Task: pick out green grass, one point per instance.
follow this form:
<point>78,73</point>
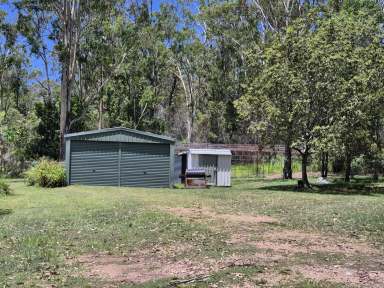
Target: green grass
<point>263,168</point>
<point>40,229</point>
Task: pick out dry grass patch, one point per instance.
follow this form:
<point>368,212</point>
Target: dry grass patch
<point>206,214</point>
<point>302,242</point>
<point>152,265</point>
<point>139,268</point>
<point>345,275</point>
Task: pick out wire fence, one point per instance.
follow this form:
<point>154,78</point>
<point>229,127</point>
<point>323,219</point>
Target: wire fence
<point>250,160</point>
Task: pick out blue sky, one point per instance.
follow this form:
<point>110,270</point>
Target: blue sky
<point>35,63</point>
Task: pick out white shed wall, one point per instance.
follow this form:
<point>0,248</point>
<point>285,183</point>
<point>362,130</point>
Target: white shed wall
<point>224,170</point>
<point>193,161</point>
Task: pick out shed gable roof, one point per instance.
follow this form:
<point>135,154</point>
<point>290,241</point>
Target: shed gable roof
<point>225,152</point>
<point>120,134</point>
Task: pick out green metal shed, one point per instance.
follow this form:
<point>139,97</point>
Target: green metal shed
<point>119,157</point>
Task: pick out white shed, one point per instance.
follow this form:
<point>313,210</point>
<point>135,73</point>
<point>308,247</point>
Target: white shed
<point>216,162</point>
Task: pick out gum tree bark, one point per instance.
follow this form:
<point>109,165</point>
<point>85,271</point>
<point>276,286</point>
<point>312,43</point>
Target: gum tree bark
<point>304,173</point>
<point>348,168</point>
<point>287,171</point>
<point>69,39</point>
<point>324,164</point>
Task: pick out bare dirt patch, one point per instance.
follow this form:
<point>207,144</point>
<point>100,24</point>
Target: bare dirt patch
<point>203,213</point>
<point>154,264</point>
<point>275,248</point>
<point>360,278</point>
<point>307,242</point>
<point>165,262</point>
<point>281,246</point>
<point>288,242</point>
<point>138,269</point>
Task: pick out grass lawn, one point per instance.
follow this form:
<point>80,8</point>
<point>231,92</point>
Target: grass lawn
<point>255,234</point>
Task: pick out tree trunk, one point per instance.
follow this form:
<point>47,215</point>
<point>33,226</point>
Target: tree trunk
<point>69,38</point>
<point>100,124</point>
<point>304,175</point>
<point>64,110</point>
<point>324,164</point>
<point>189,129</point>
<point>376,169</point>
<point>348,169</point>
<point>188,94</point>
<point>375,175</point>
<point>287,171</point>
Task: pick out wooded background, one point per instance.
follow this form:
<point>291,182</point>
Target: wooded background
<point>304,74</point>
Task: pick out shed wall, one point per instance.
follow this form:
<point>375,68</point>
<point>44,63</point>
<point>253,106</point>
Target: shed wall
<point>94,163</point>
<point>119,164</point>
<point>224,170</point>
<point>218,166</point>
<point>144,165</point>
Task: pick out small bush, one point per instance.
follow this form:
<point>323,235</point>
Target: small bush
<point>46,173</point>
<point>4,188</point>
<point>178,186</point>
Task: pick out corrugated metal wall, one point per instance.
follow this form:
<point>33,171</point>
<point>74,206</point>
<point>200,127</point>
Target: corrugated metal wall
<point>177,169</point>
<point>120,164</point>
<point>224,170</point>
<point>209,163</point>
<point>94,163</point>
<point>119,136</point>
<point>219,166</point>
<point>144,165</point>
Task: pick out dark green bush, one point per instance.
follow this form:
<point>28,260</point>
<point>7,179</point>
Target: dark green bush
<point>4,188</point>
<point>46,173</point>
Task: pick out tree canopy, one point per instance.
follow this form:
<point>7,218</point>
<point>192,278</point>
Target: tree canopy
<point>304,74</point>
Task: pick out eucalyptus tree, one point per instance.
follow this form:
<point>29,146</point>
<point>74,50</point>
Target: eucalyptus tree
<point>68,21</point>
<point>279,103</point>
<point>321,84</point>
<point>14,66</point>
<point>358,35</point>
<point>275,18</point>
<point>142,92</point>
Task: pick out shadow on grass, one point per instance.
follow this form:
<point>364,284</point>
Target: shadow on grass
<point>365,188</point>
<point>5,212</point>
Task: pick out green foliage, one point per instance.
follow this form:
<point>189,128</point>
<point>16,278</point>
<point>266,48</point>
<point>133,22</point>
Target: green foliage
<point>178,186</point>
<point>47,142</point>
<point>46,173</point>
<point>306,74</point>
<point>4,188</point>
<point>265,167</point>
<point>19,132</point>
<point>18,135</point>
<point>359,166</point>
<point>319,89</point>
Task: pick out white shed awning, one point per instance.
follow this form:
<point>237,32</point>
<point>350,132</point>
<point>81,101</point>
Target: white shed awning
<point>210,151</point>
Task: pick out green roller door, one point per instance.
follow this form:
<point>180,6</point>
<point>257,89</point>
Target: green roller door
<point>136,164</point>
<point>94,163</point>
<point>144,165</point>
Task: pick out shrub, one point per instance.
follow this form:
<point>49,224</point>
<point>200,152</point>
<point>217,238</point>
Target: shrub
<point>178,186</point>
<point>4,188</point>
<point>46,173</point>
